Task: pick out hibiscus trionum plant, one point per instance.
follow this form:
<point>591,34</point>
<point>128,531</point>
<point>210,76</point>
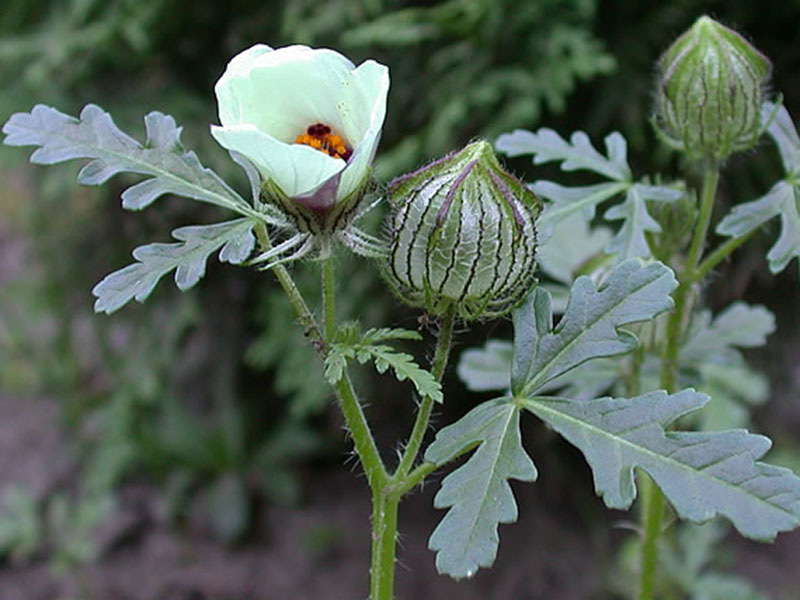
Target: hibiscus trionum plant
<point>611,345</point>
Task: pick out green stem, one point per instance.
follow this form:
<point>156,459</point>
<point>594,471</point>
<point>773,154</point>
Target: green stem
<point>384,544</point>
<point>652,514</point>
<point>653,499</point>
<point>354,415</point>
<point>440,357</point>
<point>687,277</point>
<point>328,299</point>
<point>304,313</point>
<point>721,253</point>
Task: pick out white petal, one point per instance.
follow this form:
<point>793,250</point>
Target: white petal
<point>296,169</point>
<point>285,91</point>
<point>373,83</point>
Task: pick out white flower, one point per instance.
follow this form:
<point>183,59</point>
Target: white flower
<point>274,105</point>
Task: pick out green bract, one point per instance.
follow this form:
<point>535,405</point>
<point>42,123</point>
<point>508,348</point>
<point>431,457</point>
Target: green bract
<point>462,231</point>
<point>268,98</point>
<point>710,91</point>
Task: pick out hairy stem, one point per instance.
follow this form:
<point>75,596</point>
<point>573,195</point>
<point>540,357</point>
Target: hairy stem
<point>354,415</point>
<point>653,499</point>
<point>304,313</point>
<point>440,357</point>
<point>384,543</point>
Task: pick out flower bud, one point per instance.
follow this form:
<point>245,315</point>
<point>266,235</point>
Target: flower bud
<point>462,231</point>
<point>710,90</point>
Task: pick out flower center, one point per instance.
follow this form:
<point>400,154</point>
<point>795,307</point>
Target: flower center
<point>319,137</point>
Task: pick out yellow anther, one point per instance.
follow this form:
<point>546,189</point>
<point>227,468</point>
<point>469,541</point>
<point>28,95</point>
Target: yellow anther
<point>319,137</point>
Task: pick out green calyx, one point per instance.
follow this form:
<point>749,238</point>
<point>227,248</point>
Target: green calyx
<point>710,91</point>
<point>462,232</point>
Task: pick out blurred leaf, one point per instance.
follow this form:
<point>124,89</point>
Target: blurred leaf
<point>716,586</point>
<point>71,526</point>
<point>488,368</point>
<point>566,201</point>
<point>702,474</point>
<point>739,325</point>
<point>632,292</point>
<point>572,243</point>
<point>477,493</point>
<point>228,505</point>
<point>20,524</point>
<point>631,241</point>
<point>187,257</point>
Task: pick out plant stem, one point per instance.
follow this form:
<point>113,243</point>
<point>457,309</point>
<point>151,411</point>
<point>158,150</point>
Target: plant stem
<point>443,345</point>
<point>304,313</point>
<point>687,277</point>
<point>652,513</point>
<point>328,299</point>
<point>721,253</point>
<point>384,543</point>
<point>354,415</point>
<point>653,499</point>
<point>385,500</point>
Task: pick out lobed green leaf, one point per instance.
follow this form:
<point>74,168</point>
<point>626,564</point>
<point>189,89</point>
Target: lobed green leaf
<point>366,349</point>
<point>477,493</point>
<point>631,241</point>
<point>546,145</point>
<point>632,292</point>
<point>171,169</point>
<point>703,474</point>
<point>782,200</point>
<point>187,258</point>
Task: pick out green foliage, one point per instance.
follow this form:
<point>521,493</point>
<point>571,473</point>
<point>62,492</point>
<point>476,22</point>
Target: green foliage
<point>589,328</point>
<point>692,562</point>
<point>782,200</point>
<point>71,525</point>
<point>477,493</point>
<point>485,67</point>
<point>701,473</point>
<point>20,527</point>
<point>579,154</point>
<point>349,345</point>
<point>187,258</point>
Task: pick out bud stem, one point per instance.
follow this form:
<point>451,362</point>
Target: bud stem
<point>440,357</point>
<point>653,499</point>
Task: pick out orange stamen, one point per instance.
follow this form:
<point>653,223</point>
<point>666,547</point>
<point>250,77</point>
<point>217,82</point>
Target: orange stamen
<point>319,137</point>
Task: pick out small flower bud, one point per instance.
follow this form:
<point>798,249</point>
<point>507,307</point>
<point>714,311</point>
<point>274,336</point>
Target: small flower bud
<point>462,231</point>
<point>710,90</point>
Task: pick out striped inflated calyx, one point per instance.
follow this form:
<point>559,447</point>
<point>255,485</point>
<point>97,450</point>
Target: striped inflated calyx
<point>710,91</point>
<point>462,231</point>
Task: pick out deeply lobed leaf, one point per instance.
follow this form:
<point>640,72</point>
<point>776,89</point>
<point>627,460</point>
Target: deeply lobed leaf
<point>172,169</point>
<point>589,328</point>
<point>782,200</point>
<point>365,348</point>
<point>703,474</point>
<point>187,258</point>
<point>477,493</point>
<point>546,145</point>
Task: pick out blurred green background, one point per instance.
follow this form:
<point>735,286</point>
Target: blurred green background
<point>158,395</point>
